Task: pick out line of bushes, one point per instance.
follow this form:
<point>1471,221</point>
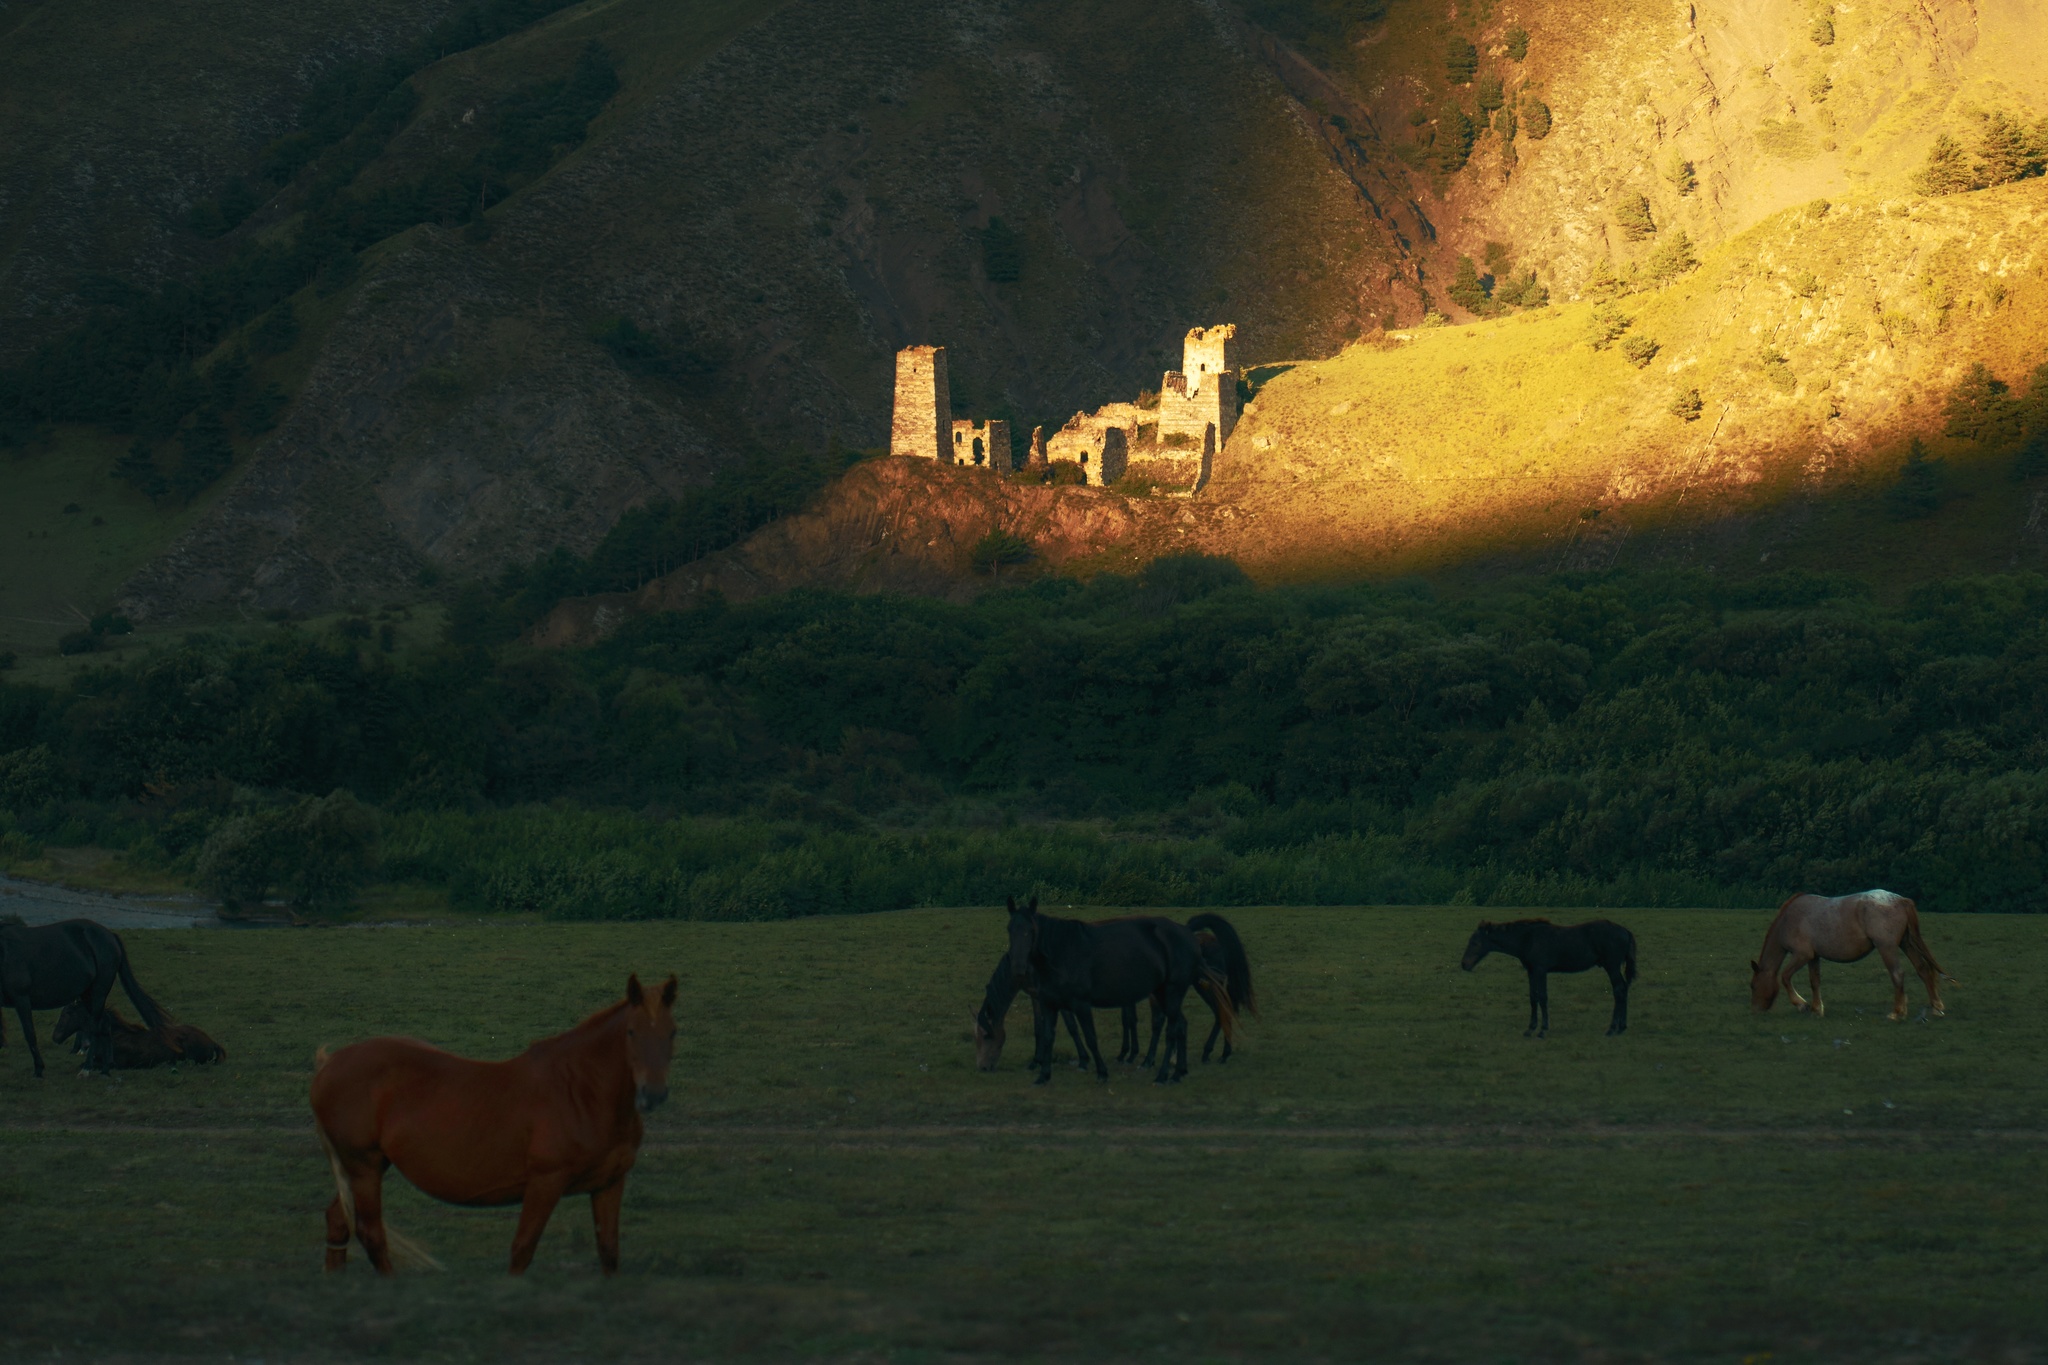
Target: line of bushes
<point>1178,736</point>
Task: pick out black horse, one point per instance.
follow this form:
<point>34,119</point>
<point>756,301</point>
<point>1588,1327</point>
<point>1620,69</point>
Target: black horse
<point>1544,948</point>
<point>989,1032</point>
<point>53,965</point>
<point>1077,966</point>
<point>1227,973</point>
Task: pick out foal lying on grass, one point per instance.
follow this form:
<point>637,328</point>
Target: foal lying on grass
<point>131,1047</point>
<point>1544,947</point>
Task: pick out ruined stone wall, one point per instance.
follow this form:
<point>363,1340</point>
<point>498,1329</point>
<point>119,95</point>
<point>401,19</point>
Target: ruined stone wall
<point>1184,467</point>
<point>984,445</point>
<point>923,420</point>
<point>1098,441</point>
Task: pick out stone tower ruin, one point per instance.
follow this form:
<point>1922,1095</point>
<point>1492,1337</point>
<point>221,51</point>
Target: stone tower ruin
<point>984,445</point>
<point>1200,402</point>
<point>922,425</point>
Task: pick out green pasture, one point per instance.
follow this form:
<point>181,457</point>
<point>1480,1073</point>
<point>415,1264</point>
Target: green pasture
<point>1386,1171</point>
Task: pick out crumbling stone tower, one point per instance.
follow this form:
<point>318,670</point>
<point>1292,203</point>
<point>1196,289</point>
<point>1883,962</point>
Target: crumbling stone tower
<point>923,421</point>
<point>984,445</point>
<point>1200,402</point>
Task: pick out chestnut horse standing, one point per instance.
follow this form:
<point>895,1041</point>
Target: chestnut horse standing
<point>1843,929</point>
<point>563,1117</point>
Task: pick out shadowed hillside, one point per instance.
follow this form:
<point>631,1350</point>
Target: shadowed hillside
<point>510,271</point>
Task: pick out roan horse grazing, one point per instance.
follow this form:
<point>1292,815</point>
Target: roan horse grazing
<point>131,1047</point>
<point>1077,966</point>
<point>1544,948</point>
<point>1843,929</point>
<point>563,1117</point>
<point>49,966</point>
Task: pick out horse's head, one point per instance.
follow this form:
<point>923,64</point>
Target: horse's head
<point>1763,987</point>
<point>71,1022</point>
<point>1478,946</point>
<point>650,1041</point>
<point>988,1040</point>
<point>1023,939</point>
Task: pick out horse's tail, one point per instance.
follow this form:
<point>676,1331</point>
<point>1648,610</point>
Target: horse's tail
<point>403,1249</point>
<point>1914,944</point>
<point>1629,961</point>
<point>1237,967</point>
<point>1214,987</point>
<point>153,1015</point>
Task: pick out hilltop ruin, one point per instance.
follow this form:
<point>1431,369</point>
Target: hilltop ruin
<point>1169,439</point>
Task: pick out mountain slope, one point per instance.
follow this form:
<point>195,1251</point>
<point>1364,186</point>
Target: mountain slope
<point>779,216</point>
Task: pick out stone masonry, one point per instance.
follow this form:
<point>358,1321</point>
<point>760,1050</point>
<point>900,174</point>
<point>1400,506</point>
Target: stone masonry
<point>923,422</point>
<point>983,445</point>
<point>1175,445</point>
<point>1203,396</point>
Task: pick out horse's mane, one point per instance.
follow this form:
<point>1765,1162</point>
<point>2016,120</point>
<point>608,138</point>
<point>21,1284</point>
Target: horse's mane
<point>597,1019</point>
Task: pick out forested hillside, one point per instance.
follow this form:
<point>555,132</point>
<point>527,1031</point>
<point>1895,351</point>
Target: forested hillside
<point>1178,737</point>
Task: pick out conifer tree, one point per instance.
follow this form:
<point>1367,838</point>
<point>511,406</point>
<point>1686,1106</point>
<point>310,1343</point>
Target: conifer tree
<point>1947,170</point>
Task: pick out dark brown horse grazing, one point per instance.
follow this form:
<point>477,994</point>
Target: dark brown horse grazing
<point>1543,948</point>
<point>1843,929</point>
<point>131,1047</point>
<point>563,1117</point>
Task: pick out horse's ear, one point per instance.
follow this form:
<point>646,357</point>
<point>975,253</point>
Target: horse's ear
<point>634,995</point>
<point>668,991</point>
<point>1031,906</point>
<point>1013,905</point>
<point>1754,966</point>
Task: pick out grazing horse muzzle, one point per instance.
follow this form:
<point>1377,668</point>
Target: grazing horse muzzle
<point>648,1098</point>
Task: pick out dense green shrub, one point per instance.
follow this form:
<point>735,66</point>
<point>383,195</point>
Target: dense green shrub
<point>1639,350</point>
<point>1632,215</point>
<point>1921,488</point>
<point>1822,32</point>
<point>1518,44</point>
<point>1461,59</point>
<point>1174,737</point>
<point>1455,134</point>
<point>1536,120</point>
<point>1948,170</point>
<point>1673,256</point>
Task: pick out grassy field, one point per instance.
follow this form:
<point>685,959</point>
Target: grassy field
<point>1388,1170</point>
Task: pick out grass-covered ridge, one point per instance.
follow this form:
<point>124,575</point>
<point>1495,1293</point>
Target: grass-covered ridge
<point>1176,738</point>
<point>1385,1159</point>
<point>1781,368</point>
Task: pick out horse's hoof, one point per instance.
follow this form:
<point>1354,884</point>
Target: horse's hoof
<point>1041,1080</point>
<point>1939,1013</point>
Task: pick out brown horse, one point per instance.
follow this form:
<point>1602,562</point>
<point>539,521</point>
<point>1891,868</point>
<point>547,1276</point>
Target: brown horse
<point>1843,929</point>
<point>131,1047</point>
<point>563,1117</point>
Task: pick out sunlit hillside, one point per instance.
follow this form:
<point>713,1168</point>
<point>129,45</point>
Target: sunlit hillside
<point>1797,361</point>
